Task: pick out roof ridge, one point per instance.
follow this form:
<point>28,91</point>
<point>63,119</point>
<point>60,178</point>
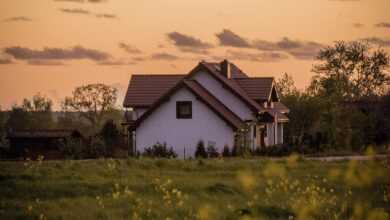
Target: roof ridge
<point>157,74</point>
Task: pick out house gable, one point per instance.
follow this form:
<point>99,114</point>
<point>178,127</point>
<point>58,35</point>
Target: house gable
<point>162,125</point>
<point>202,95</point>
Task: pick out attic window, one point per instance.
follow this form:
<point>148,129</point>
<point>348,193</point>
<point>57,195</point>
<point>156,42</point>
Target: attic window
<point>184,110</point>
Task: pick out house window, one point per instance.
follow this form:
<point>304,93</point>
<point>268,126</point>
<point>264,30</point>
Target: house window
<point>184,110</point>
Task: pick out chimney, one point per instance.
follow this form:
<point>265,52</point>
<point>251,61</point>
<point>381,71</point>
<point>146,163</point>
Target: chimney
<point>225,68</point>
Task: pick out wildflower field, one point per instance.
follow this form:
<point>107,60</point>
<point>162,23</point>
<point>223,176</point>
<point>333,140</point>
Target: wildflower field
<point>290,188</point>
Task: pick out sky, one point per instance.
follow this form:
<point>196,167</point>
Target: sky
<point>52,46</point>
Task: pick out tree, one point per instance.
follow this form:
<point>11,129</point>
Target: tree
<point>351,70</point>
<point>92,101</point>
<point>286,85</point>
<point>200,150</point>
<point>212,152</point>
<point>111,135</point>
<point>31,114</point>
<point>226,151</point>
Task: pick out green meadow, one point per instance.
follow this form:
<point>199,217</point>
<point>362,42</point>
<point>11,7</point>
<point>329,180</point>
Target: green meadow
<point>257,188</point>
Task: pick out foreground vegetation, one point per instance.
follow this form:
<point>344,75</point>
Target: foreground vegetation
<point>289,188</point>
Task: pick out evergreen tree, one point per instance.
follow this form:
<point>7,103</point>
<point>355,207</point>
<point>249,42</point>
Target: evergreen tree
<point>226,151</point>
<point>200,150</point>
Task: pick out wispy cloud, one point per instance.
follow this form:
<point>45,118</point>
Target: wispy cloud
<point>358,25</point>
<point>187,43</point>
<point>129,48</point>
<point>5,61</point>
<point>115,63</point>
<point>163,56</point>
<point>384,42</point>
<point>81,1</point>
<point>75,11</point>
<point>108,16</point>
<point>48,53</point>
<point>18,18</point>
<point>297,48</point>
<point>229,38</point>
<point>43,62</point>
<point>383,25</point>
<point>81,11</point>
<point>255,57</point>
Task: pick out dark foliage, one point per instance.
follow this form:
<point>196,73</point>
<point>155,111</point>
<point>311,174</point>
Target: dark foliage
<point>212,152</point>
<point>200,150</point>
<point>226,151</point>
<point>159,150</point>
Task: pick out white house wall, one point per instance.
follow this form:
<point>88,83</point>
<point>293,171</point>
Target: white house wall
<point>224,95</point>
<point>163,126</point>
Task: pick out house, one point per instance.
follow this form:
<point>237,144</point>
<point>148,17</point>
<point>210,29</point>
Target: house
<point>32,143</point>
<point>215,102</point>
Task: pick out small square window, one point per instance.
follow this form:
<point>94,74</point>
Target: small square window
<point>184,110</point>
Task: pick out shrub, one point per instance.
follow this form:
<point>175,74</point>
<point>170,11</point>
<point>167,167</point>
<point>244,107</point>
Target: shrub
<point>240,151</point>
<point>212,152</point>
<point>111,136</point>
<point>275,150</point>
<point>72,148</point>
<point>200,150</point>
<point>159,150</point>
<point>226,151</point>
<point>97,147</point>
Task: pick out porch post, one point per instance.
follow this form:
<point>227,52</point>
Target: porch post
<point>276,130</point>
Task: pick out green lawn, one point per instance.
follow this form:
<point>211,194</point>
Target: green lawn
<point>209,189</point>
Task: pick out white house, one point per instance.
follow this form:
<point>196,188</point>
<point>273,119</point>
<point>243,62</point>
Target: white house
<point>215,102</point>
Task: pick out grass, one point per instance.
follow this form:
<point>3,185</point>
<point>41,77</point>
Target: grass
<point>198,189</point>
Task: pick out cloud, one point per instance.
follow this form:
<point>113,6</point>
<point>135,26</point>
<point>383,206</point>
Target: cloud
<point>5,61</point>
<point>383,25</point>
<point>81,11</point>
<point>43,62</point>
<point>48,53</point>
<point>296,48</point>
<point>255,57</point>
<point>345,0</point>
<point>81,1</point>
<point>129,48</point>
<point>115,63</point>
<point>187,43</point>
<point>163,56</point>
<point>139,59</point>
<point>358,25</point>
<point>19,18</point>
<point>75,11</point>
<point>383,42</point>
<point>229,38</point>
<point>74,1</point>
<point>109,16</point>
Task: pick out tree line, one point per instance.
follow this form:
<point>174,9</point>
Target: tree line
<point>346,107</point>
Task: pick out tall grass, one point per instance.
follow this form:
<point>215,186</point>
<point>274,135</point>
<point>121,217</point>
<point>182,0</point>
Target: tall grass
<point>291,188</point>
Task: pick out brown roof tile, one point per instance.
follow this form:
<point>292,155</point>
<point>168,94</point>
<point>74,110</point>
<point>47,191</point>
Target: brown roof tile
<point>257,88</point>
<point>144,90</point>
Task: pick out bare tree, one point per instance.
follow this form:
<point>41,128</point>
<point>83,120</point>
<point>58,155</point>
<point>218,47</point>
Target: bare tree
<point>92,101</point>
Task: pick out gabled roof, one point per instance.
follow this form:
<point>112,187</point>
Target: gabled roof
<point>257,88</point>
<point>149,91</point>
<point>230,84</point>
<point>144,90</point>
<point>204,96</point>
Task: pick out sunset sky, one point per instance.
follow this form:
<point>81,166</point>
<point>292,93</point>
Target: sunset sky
<point>52,46</point>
